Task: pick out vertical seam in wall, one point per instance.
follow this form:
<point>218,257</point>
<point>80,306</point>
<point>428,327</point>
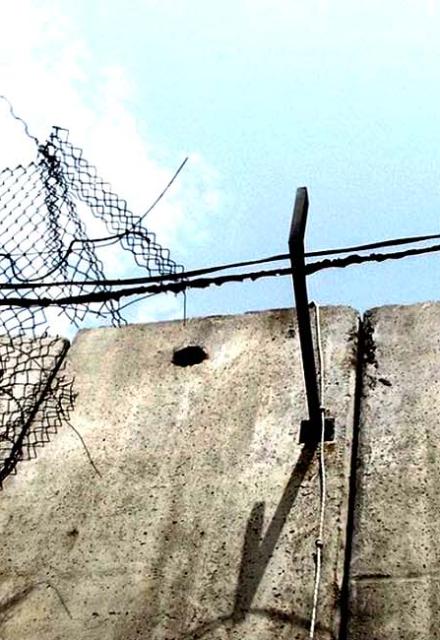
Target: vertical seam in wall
<point>358,393</point>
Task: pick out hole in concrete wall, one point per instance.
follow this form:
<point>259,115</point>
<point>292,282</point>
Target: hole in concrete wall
<point>189,356</point>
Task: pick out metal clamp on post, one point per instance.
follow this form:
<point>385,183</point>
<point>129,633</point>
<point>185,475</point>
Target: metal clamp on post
<point>311,428</point>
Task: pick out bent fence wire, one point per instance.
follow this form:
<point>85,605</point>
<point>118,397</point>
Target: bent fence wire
<point>44,240</point>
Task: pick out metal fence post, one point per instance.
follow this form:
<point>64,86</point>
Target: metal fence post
<point>310,429</point>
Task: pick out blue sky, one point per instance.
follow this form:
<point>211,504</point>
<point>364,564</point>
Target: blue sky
<point>265,96</point>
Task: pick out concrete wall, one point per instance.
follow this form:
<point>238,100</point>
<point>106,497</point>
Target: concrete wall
<point>395,567</point>
<point>202,520</point>
<point>175,503</point>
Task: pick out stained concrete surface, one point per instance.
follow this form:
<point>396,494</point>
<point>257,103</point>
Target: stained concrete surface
<point>202,520</point>
<point>395,568</point>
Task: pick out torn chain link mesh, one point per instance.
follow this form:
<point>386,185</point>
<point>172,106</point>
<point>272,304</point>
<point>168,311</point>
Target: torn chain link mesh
<point>46,209</point>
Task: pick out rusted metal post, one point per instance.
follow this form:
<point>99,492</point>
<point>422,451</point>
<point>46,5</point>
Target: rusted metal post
<point>311,429</point>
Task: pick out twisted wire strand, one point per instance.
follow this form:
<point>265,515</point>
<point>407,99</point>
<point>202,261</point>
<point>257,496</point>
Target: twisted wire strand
<point>16,117</point>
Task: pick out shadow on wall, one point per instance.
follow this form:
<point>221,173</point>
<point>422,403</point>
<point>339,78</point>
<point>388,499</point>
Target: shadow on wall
<point>36,397</point>
<point>255,557</point>
<point>256,554</point>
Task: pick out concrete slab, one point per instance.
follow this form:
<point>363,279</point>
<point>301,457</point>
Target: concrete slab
<point>203,518</point>
<point>395,567</point>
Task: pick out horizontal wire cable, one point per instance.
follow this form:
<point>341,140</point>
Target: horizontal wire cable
<point>236,265</point>
<point>143,279</point>
<point>371,257</point>
<point>173,287</point>
<point>374,245</point>
<point>203,283</point>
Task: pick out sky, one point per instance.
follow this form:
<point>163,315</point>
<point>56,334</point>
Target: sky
<point>263,96</point>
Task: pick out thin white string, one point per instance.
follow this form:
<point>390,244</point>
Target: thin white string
<point>323,480</point>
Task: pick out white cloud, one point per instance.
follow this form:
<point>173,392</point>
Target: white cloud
<point>48,72</point>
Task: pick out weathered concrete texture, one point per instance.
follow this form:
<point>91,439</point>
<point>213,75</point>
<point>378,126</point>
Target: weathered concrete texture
<point>202,520</point>
<point>395,569</point>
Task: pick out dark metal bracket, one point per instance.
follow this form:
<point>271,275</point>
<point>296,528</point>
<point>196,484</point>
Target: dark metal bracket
<point>309,434</point>
<point>310,429</point>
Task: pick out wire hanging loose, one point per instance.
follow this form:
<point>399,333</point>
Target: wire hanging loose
<point>323,478</point>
